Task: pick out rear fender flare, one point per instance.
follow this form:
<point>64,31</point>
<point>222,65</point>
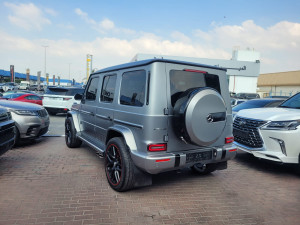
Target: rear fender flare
<point>126,134</point>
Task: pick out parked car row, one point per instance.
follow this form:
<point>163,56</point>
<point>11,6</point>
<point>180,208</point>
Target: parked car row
<point>26,114</point>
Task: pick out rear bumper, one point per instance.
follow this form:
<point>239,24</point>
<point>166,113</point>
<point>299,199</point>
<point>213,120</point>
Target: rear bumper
<point>56,109</point>
<point>161,162</point>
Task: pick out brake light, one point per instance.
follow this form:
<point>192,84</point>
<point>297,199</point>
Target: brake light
<point>233,150</point>
<point>229,140</point>
<point>66,99</point>
<point>157,147</point>
<point>65,109</point>
<point>195,71</point>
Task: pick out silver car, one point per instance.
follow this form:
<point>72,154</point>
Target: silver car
<point>31,120</point>
<point>152,116</point>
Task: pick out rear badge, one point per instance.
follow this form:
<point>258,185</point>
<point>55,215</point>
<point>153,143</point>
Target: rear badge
<point>210,118</point>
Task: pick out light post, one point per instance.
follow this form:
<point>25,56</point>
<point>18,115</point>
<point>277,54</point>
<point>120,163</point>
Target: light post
<point>45,46</point>
<point>69,71</point>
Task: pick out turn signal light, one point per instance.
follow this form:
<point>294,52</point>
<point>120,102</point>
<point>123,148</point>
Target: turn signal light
<point>229,140</point>
<point>157,147</point>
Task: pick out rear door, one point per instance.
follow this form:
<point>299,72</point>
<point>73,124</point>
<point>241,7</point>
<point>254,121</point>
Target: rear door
<point>54,97</point>
<point>181,79</point>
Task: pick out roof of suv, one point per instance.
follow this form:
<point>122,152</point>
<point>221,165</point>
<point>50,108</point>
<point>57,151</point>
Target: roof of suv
<point>149,61</point>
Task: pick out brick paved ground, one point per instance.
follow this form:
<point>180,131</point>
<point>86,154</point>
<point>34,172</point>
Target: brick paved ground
<point>47,183</point>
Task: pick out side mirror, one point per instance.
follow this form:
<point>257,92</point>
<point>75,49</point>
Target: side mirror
<point>78,96</point>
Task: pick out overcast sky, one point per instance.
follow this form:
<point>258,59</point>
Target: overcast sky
<point>114,31</point>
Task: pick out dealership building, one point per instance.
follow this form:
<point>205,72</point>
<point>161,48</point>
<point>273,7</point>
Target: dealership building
<point>242,69</point>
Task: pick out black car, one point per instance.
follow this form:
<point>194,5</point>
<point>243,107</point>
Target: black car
<point>35,87</point>
<point>247,95</point>
<point>257,103</point>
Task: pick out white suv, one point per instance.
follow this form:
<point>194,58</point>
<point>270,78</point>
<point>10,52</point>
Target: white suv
<point>270,133</point>
<point>60,99</point>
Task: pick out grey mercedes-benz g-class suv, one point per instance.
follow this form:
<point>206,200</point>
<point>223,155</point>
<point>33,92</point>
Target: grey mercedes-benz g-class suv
<point>152,116</point>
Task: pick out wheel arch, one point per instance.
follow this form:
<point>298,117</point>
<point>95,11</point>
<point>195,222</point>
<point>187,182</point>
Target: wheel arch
<point>74,116</point>
<point>124,132</point>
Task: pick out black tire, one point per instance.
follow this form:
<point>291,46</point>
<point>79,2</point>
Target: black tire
<point>203,170</point>
<point>70,134</point>
<point>119,167</point>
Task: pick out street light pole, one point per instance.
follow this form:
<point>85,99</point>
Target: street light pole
<point>45,46</point>
<point>69,71</point>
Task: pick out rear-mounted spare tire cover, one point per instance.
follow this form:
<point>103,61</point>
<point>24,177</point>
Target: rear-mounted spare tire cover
<point>200,116</point>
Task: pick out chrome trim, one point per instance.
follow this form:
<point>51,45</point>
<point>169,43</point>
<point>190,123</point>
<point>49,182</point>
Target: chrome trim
<point>246,148</point>
<point>86,112</point>
<point>83,121</point>
<point>91,145</point>
<point>129,124</point>
<point>103,117</point>
<point>281,144</point>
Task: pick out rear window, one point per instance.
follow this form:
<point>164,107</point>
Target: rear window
<point>64,91</point>
<point>181,81</point>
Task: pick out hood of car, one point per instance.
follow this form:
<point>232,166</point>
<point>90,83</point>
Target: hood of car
<point>271,114</point>
<point>19,105</point>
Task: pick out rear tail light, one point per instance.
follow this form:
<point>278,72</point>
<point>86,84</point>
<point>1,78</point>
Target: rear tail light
<point>67,99</point>
<point>195,71</point>
<point>157,147</point>
<point>65,109</point>
<point>229,140</point>
<point>233,150</point>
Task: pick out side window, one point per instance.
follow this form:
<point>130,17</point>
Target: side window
<point>108,88</point>
<point>92,89</point>
<point>29,97</point>
<point>133,88</point>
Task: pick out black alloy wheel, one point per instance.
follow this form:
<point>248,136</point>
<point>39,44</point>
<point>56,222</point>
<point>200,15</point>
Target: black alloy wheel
<point>70,134</point>
<point>113,164</point>
<point>119,167</point>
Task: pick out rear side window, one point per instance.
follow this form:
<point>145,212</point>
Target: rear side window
<point>92,89</point>
<point>181,81</point>
<point>33,97</point>
<point>108,88</point>
<point>133,88</point>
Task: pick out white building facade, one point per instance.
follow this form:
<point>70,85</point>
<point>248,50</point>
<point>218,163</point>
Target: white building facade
<point>240,80</point>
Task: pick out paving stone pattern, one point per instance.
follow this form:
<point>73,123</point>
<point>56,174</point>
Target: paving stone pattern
<point>48,183</point>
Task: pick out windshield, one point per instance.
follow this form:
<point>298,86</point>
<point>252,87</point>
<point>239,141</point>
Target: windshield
<point>249,105</point>
<point>64,91</point>
<point>23,84</point>
<point>293,102</point>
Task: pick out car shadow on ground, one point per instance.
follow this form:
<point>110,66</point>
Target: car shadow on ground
<point>266,165</point>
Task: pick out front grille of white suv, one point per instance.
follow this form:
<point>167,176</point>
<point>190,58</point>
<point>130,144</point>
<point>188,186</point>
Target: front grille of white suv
<point>245,131</point>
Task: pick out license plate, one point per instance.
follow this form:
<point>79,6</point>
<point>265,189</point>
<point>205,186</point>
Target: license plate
<point>240,133</point>
<point>198,156</point>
